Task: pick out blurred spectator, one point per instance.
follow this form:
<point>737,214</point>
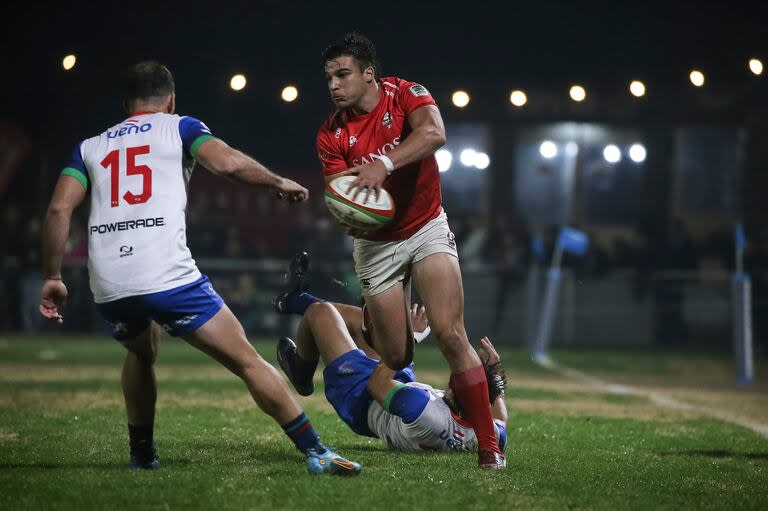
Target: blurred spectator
<point>11,251</point>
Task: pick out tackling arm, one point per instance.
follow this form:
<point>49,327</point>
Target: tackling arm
<point>223,160</point>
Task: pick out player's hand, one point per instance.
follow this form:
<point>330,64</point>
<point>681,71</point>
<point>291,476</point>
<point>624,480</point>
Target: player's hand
<point>488,352</point>
<point>419,321</point>
<point>369,180</point>
<point>53,299</point>
<point>291,191</point>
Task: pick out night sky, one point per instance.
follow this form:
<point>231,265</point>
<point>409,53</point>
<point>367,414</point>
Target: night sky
<point>485,47</point>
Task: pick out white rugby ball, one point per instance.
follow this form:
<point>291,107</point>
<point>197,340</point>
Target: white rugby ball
<point>358,214</point>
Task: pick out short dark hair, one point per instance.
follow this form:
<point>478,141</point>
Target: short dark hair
<point>147,80</point>
<point>354,45</point>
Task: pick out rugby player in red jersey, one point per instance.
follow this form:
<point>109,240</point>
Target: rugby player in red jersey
<point>385,130</point>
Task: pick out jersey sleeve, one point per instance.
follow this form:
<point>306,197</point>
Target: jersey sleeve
<point>413,95</point>
<point>406,402</point>
<point>329,152</point>
<point>75,166</point>
<point>193,133</point>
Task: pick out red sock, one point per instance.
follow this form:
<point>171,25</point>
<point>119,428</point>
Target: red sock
<point>471,389</point>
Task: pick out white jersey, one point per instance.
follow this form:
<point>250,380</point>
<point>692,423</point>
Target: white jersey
<point>138,172</point>
<point>436,429</point>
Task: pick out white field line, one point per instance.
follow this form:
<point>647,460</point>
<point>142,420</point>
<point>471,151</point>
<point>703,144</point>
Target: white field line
<point>654,397</point>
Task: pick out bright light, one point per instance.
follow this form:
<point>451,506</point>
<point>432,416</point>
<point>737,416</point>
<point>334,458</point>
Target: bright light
<point>756,66</point>
<point>697,78</point>
<point>460,98</point>
<point>482,161</point>
<point>637,153</point>
<point>548,149</point>
<point>290,93</point>
<point>578,93</point>
<point>612,154</point>
<point>637,88</point>
<point>467,157</point>
<point>237,82</point>
<point>68,62</point>
<point>518,98</point>
<point>444,159</point>
<point>571,149</point>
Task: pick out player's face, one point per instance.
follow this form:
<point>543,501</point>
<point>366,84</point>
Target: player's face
<point>347,83</point>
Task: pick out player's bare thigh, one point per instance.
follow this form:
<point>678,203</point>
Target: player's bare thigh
<point>391,329</point>
<point>223,338</point>
<point>438,280</point>
<point>329,330</point>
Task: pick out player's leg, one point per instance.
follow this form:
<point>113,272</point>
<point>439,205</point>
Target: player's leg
<point>223,338</point>
<point>323,332</point>
<point>437,278</point>
<point>390,326</point>
<point>140,394</point>
<point>132,327</point>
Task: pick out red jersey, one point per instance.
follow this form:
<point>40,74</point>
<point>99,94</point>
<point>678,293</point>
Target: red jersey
<point>346,141</point>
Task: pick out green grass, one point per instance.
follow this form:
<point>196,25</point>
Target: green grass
<point>63,442</point>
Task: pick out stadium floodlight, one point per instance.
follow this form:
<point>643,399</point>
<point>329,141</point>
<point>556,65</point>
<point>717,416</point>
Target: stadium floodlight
<point>68,62</point>
<point>637,153</point>
<point>612,153</point>
<point>482,160</point>
<point>444,159</point>
<point>697,78</point>
<point>572,149</point>
<point>237,82</point>
<point>467,157</point>
<point>289,93</point>
<point>518,98</point>
<point>460,98</point>
<point>548,149</point>
<point>637,88</point>
<point>756,66</point>
<point>578,93</point>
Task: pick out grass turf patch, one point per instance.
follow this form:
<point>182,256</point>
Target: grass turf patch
<point>59,451</point>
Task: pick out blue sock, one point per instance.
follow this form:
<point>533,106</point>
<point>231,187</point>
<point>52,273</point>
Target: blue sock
<point>298,302</point>
<point>303,435</point>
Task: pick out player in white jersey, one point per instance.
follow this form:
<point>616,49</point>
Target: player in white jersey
<point>370,398</point>
<point>142,274</point>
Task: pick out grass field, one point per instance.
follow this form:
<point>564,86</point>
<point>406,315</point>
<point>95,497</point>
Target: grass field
<point>63,438</point>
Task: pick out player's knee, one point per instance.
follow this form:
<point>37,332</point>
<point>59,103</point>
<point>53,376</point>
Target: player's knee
<point>318,309</point>
<point>397,360</point>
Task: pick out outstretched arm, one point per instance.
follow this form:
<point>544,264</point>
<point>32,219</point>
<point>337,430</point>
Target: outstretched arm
<point>223,160</point>
<point>67,195</point>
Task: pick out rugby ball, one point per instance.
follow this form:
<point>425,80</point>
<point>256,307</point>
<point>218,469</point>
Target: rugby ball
<point>358,214</point>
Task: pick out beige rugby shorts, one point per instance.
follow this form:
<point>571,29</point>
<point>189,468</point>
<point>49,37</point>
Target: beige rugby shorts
<point>381,264</point>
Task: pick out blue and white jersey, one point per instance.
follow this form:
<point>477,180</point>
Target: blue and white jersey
<point>430,427</point>
<point>137,172</point>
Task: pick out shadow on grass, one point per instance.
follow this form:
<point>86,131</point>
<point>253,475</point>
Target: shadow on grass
<point>716,453</point>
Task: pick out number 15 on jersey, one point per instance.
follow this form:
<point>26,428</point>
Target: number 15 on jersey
<point>111,162</point>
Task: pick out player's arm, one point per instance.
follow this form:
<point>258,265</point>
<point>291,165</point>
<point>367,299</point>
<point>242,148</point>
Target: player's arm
<point>499,410</point>
<point>214,154</point>
<point>68,194</point>
<point>406,402</point>
<point>426,137</point>
<point>223,160</point>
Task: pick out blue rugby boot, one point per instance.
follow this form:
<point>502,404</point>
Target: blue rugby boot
<point>144,458</point>
<point>330,463</point>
